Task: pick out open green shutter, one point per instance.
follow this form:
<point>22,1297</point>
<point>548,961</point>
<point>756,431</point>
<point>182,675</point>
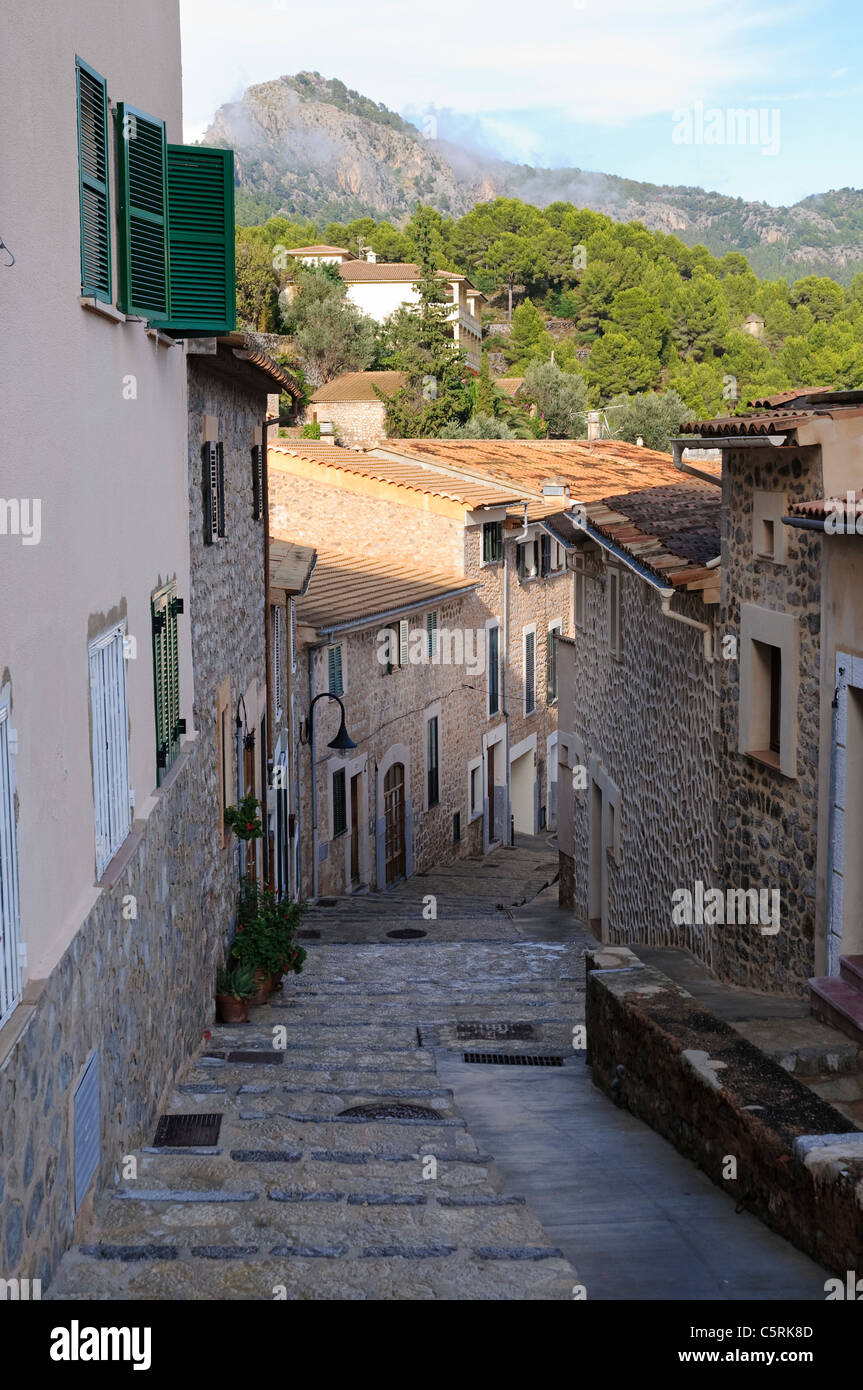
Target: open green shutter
<point>93,182</point>
<point>201,241</point>
<point>142,213</point>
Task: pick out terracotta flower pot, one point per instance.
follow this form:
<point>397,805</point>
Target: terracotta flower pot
<point>232,1010</point>
<point>264,982</point>
<point>276,981</point>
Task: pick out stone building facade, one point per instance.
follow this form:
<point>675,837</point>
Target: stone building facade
<point>351,404</point>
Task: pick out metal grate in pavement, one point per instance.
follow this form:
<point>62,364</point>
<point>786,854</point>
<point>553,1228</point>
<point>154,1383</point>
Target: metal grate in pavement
<point>187,1131</point>
<point>392,1110</point>
<point>502,1032</point>
<point>514,1059</point>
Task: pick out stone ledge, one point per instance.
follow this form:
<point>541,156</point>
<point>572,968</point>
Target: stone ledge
<point>660,1053</point>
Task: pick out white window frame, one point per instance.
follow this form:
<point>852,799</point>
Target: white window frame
<point>614,585</point>
<point>10,954</point>
<point>556,625</point>
<point>492,623</point>
<point>558,562</point>
<point>110,744</point>
<point>579,591</point>
<point>432,712</point>
<point>526,632</point>
<point>474,767</point>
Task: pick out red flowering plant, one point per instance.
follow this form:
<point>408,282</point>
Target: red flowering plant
<point>264,937</point>
<point>244,818</point>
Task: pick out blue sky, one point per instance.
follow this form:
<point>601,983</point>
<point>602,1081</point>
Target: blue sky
<point>640,88</point>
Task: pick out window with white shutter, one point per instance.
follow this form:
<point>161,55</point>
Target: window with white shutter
<point>404,638</point>
<point>110,735</point>
<point>10,973</point>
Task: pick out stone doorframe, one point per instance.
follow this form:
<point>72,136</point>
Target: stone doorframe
<point>398,753</point>
<point>849,673</point>
<point>497,738</point>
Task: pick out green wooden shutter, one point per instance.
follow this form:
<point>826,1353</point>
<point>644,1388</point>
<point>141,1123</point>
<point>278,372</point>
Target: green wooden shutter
<point>201,242</point>
<point>165,608</point>
<point>93,182</point>
<point>142,213</point>
<point>335,682</point>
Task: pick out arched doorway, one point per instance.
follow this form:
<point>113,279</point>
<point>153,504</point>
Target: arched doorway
<point>394,815</point>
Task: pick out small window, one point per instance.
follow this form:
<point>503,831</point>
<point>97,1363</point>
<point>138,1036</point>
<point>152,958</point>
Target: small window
<point>335,674</point>
<point>432,771</point>
<point>775,699</point>
<point>528,560</point>
<point>529,672</point>
<point>456,828</point>
<point>551,663</point>
<point>493,670</point>
<point>767,546</point>
<point>165,607</point>
<point>340,806</point>
<point>614,635</point>
<point>492,542</point>
<point>580,590</point>
<point>214,493</point>
<point>431,634</point>
<point>110,734</point>
<point>545,554</point>
<point>557,557</point>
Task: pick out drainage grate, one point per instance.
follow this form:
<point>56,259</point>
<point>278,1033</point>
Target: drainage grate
<point>514,1059</point>
<point>187,1131</point>
<point>387,1110</point>
<point>503,1032</point>
<point>266,1057</point>
<point>407,933</point>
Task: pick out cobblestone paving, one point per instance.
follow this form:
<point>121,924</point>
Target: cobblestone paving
<point>299,1199</point>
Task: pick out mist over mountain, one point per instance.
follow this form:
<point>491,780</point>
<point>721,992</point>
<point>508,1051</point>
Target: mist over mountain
<point>308,146</point>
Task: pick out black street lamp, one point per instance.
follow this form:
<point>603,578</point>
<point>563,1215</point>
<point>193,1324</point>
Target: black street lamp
<point>342,743</point>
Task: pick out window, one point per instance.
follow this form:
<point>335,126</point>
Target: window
<point>340,805</point>
<point>528,560</point>
<point>456,828</point>
<point>397,645</point>
<point>580,590</point>
<point>335,676</point>
<point>493,670</point>
<point>165,606</point>
<point>775,698</point>
<point>492,542</point>
<point>614,635</point>
<point>529,670</point>
<point>110,733</point>
<point>224,753</point>
<point>10,971</point>
<point>545,553</point>
<point>433,786</point>
<point>558,557</point>
<point>257,482</point>
<point>474,783</point>
<point>768,533</point>
<point>551,662</point>
<point>278,662</point>
<point>431,634</point>
<point>214,493</point>
<point>769,681</point>
<point>767,669</point>
<point>142,212</point>
<point>93,191</point>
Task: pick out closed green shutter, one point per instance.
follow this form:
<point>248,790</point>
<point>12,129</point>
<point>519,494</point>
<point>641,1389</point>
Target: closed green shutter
<point>335,682</point>
<point>201,242</point>
<point>142,213</point>
<point>93,183</point>
<point>340,805</point>
<point>165,607</point>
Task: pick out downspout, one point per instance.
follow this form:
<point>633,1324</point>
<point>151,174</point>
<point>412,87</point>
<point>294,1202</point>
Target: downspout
<point>270,694</point>
<point>678,446</point>
<point>314,776</point>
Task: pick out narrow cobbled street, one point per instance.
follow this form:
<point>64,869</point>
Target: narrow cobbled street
<point>368,1158</point>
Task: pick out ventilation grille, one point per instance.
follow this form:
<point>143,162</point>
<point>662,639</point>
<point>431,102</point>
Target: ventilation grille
<point>513,1059</point>
<point>187,1131</point>
<point>87,1129</point>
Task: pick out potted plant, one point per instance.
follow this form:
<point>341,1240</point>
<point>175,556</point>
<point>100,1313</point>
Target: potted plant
<point>264,938</point>
<point>234,989</point>
<point>244,818</point>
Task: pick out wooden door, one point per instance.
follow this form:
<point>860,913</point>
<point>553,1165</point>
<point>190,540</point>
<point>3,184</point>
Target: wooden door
<point>355,828</point>
<point>394,812</point>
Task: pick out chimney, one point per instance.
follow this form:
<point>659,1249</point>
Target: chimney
<point>594,425</point>
<point>639,441</point>
<point>370,256</point>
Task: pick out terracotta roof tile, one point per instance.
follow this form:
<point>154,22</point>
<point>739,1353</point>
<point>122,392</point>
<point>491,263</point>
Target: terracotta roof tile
<point>359,386</point>
<point>347,589</point>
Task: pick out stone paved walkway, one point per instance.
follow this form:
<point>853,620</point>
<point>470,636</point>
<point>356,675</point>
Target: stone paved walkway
<point>302,1200</point>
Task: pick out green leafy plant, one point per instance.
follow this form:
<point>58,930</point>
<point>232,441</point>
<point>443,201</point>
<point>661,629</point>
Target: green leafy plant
<point>265,931</point>
<point>311,431</point>
<point>244,819</point>
<point>238,983</point>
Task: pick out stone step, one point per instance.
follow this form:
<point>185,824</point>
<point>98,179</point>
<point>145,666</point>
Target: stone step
<point>851,971</point>
<point>836,1002</point>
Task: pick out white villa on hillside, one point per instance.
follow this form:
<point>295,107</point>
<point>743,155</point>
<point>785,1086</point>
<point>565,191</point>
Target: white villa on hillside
<point>378,288</point>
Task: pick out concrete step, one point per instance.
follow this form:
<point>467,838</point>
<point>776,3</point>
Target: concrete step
<point>836,1002</point>
<point>851,971</point>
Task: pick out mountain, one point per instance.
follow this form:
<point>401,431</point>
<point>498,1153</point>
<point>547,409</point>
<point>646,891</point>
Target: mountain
<point>309,147</point>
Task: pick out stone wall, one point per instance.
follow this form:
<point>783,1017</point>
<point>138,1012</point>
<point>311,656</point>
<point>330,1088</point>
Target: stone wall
<point>770,821</point>
<point>646,724</point>
<point>359,424</point>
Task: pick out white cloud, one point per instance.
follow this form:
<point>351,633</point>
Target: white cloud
<point>610,62</point>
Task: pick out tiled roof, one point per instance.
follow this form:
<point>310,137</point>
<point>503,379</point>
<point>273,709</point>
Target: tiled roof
<point>347,589</point>
<point>817,508</point>
<point>291,565</point>
<point>312,448</point>
<point>509,384</point>
<point>413,477</point>
<point>781,413</point>
<point>319,251</point>
<point>359,386</point>
<point>400,272</point>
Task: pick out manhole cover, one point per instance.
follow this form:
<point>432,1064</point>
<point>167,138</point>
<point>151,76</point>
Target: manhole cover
<point>513,1059</point>
<point>407,933</point>
<point>393,1110</point>
<point>265,1058</point>
<point>187,1131</point>
<point>501,1031</point>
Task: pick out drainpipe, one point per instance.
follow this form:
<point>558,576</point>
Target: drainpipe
<point>270,703</point>
<point>678,445</point>
<point>311,655</point>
